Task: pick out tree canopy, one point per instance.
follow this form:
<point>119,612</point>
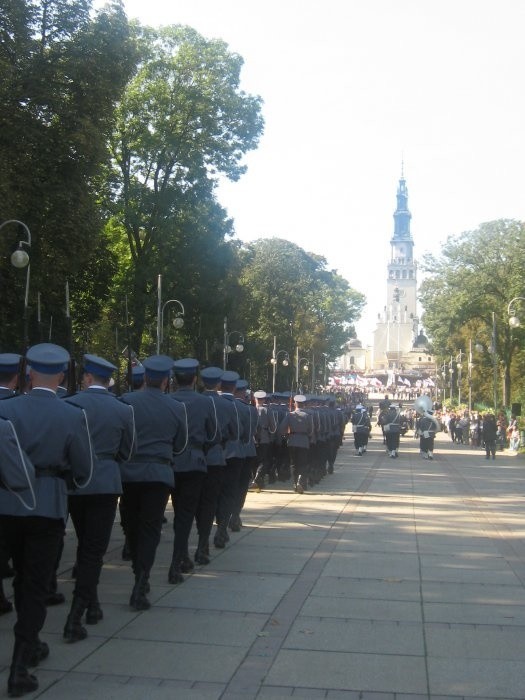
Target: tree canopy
<point>465,296</point>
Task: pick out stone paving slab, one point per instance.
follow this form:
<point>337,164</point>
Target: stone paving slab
<point>346,671</point>
<point>358,636</point>
<point>391,580</point>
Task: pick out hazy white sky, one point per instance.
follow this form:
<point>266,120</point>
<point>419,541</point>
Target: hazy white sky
<point>352,87</point>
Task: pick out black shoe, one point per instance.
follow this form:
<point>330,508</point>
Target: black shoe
<point>20,682</point>
<point>39,652</point>
<point>73,629</point>
<point>201,557</point>
<point>94,613</point>
<point>138,600</point>
<point>235,523</point>
<point>55,598</point>
<point>220,539</point>
<point>186,565</point>
<point>174,574</point>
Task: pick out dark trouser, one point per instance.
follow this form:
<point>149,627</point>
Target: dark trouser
<point>426,444</point>
<point>490,448</point>
<point>392,440</point>
<point>209,496</point>
<point>360,439</point>
<point>185,498</point>
<point>245,478</point>
<point>264,462</point>
<point>282,460</point>
<point>145,503</point>
<point>34,543</point>
<point>299,464</point>
<point>93,517</point>
<point>229,490</point>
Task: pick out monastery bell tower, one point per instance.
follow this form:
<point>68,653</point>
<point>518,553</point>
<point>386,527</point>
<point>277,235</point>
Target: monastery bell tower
<point>397,326</point>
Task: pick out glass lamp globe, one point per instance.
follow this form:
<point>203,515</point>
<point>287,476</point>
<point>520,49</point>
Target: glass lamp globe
<point>514,322</point>
<point>239,347</point>
<point>19,258</point>
<point>178,322</point>
<point>285,362</point>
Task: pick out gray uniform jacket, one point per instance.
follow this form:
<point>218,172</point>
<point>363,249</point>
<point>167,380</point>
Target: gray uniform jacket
<point>251,418</point>
<point>6,393</point>
<point>298,426</point>
<point>203,429</point>
<point>233,446</point>
<point>55,437</point>
<point>112,430</point>
<point>16,471</point>
<point>227,426</point>
<point>360,422</point>
<point>161,432</point>
<point>264,426</point>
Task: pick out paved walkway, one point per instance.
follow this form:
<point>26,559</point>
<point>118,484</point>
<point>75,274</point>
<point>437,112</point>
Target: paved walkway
<point>393,580</point>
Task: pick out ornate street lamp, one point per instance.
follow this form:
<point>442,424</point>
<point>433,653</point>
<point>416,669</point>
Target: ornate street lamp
<point>275,359</point>
<point>20,259</point>
<point>227,348</point>
<point>178,321</point>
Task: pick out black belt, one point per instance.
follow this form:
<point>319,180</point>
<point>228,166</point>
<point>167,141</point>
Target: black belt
<point>150,460</point>
<point>50,471</point>
<point>106,456</point>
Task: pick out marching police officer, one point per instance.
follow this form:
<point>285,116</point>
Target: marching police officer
<point>149,476</point>
<point>263,441</point>
<point>215,462</point>
<point>249,419</point>
<point>55,437</point>
<point>297,425</point>
<point>203,430</point>
<point>234,454</point>
<point>9,367</point>
<point>361,428</point>
<point>112,430</point>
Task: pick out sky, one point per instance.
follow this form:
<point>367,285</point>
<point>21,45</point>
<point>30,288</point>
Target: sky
<point>353,89</point>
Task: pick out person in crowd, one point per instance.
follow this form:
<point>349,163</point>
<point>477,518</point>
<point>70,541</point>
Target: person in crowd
<point>489,433</point>
<point>234,455</point>
<point>297,426</point>
<point>55,437</point>
<point>249,419</point>
<point>203,431</point>
<point>215,461</point>
<point>148,477</point>
<point>426,428</point>
<point>361,427</point>
<point>112,430</point>
<point>391,423</point>
<point>9,368</point>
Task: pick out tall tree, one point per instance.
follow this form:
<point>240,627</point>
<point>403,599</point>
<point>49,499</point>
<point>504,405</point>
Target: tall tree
<point>62,69</point>
<point>467,291</point>
<point>289,294</point>
<point>183,122</point>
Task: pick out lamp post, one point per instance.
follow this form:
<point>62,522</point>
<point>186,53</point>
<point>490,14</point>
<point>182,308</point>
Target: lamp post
<point>298,361</point>
<point>178,321</point>
<point>514,321</point>
<point>239,347</point>
<point>275,359</point>
<point>20,259</point>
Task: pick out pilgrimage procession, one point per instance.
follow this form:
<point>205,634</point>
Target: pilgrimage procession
<point>259,439</point>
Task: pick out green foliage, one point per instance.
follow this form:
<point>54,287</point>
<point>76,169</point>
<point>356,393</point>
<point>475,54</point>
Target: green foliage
<point>62,71</point>
<point>288,293</point>
<point>182,123</point>
<point>465,296</point>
